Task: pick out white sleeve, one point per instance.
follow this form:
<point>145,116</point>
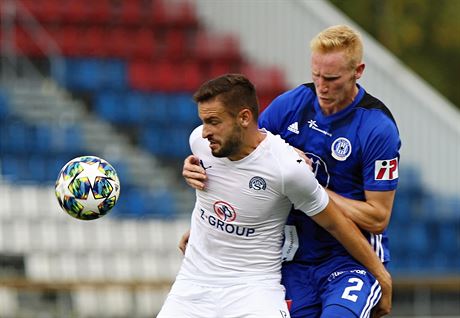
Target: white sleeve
<point>302,188</point>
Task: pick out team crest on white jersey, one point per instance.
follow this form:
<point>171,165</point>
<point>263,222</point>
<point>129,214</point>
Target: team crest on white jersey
<point>257,183</point>
<point>341,149</point>
<point>224,211</point>
<point>386,169</point>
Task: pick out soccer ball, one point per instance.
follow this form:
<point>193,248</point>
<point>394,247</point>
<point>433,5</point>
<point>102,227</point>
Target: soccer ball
<point>87,187</point>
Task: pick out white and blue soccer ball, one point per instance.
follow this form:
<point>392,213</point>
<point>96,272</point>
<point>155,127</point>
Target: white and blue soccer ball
<point>87,187</point>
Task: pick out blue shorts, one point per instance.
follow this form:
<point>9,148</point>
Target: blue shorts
<point>339,287</point>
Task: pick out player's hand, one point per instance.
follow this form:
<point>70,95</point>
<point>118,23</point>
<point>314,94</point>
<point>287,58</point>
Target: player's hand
<point>304,157</point>
<point>383,307</point>
<point>194,173</point>
<point>184,241</point>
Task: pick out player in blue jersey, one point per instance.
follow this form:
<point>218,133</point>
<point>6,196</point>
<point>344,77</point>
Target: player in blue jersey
<point>353,143</point>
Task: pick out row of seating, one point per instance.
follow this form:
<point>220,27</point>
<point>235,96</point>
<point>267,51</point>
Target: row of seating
<point>87,301</point>
<point>89,75</point>
<point>128,43</point>
<point>129,12</point>
<point>148,109</point>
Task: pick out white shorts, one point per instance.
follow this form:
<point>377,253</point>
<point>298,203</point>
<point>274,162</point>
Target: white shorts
<point>188,300</point>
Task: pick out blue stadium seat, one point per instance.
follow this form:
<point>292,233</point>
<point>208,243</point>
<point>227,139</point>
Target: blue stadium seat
<point>15,137</point>
<point>113,74</point>
<point>184,110</point>
<point>109,105</point>
<point>157,108</point>
<point>135,104</point>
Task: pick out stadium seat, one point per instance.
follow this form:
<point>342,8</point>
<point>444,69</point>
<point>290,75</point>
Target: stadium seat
<point>69,40</point>
<point>157,108</point>
<point>26,44</point>
<point>117,44</point>
<point>113,74</point>
<point>77,12</point>
<point>216,47</point>
<point>184,110</point>
<point>131,13</point>
<point>175,41</point>
<point>145,45</point>
<point>94,43</point>
<point>141,75</point>
<point>100,11</point>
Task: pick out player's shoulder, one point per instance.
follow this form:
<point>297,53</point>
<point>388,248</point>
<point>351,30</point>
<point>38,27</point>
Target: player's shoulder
<point>281,150</point>
<point>198,144</point>
<point>196,133</point>
<point>375,110</point>
<point>293,97</point>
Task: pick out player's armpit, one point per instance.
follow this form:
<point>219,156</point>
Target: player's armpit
<point>184,241</point>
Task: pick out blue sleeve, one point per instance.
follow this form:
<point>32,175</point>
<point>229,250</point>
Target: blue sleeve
<point>284,108</point>
<point>381,144</point>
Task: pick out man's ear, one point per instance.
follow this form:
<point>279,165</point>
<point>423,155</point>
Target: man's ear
<point>359,71</point>
<point>244,117</point>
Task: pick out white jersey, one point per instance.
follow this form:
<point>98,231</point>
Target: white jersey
<point>238,221</point>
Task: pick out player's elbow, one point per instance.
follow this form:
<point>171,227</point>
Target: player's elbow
<point>378,225</point>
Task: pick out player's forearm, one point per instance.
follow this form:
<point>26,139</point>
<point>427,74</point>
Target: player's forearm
<point>348,234</point>
<point>369,217</point>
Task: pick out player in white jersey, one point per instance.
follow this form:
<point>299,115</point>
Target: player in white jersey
<point>232,263</point>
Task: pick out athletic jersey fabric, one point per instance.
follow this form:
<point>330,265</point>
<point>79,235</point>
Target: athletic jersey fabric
<point>353,150</point>
<point>238,222</point>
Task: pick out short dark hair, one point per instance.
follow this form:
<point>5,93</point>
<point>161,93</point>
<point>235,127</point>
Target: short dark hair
<point>235,91</point>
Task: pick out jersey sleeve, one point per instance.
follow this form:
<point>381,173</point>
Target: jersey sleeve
<point>301,186</point>
<point>381,155</point>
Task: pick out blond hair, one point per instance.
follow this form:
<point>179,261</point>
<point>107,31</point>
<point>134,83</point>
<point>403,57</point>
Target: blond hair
<point>339,38</point>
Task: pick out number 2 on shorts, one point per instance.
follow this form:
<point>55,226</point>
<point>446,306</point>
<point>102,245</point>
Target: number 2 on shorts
<point>357,285</point>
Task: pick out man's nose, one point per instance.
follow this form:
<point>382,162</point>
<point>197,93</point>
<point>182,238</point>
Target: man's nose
<point>205,132</point>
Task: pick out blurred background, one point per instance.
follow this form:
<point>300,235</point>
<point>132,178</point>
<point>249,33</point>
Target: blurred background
<point>114,78</point>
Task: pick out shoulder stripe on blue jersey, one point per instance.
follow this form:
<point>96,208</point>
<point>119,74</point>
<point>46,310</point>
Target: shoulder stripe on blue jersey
<point>370,102</point>
<point>311,86</point>
<point>372,300</point>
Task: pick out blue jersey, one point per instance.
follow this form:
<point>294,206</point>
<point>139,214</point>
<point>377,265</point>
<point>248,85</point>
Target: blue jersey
<point>353,150</point>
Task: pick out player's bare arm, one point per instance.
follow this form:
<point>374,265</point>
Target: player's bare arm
<point>348,234</point>
<point>193,173</point>
<point>184,241</point>
<point>372,215</point>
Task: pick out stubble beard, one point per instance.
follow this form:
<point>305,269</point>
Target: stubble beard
<point>231,146</point>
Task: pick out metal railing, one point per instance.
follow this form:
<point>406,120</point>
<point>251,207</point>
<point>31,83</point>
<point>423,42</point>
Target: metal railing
<point>14,63</point>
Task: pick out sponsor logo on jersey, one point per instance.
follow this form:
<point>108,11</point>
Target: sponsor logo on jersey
<point>386,169</point>
<point>334,275</point>
<point>294,127</point>
<point>224,211</point>
<point>341,149</point>
<point>291,243</point>
<point>312,124</point>
<point>203,166</point>
<point>229,228</point>
<point>257,183</point>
